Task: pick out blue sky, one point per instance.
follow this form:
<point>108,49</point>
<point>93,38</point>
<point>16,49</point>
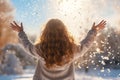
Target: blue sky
<point>32,13</point>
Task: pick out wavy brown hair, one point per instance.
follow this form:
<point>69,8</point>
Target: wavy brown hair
<point>56,44</point>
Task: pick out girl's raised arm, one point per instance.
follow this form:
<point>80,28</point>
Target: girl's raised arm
<point>87,42</point>
<point>24,39</point>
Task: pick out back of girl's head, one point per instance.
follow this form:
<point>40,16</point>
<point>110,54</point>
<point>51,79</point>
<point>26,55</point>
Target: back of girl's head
<point>56,44</point>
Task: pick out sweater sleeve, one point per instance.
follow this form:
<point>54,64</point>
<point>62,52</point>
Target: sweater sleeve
<point>85,44</point>
<point>27,44</point>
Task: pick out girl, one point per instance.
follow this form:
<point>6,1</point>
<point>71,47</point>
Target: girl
<point>56,50</point>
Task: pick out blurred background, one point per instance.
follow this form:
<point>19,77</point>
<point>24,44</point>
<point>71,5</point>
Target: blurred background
<point>101,62</point>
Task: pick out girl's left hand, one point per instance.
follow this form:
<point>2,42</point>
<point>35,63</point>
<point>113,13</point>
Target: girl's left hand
<point>16,27</point>
<point>99,26</point>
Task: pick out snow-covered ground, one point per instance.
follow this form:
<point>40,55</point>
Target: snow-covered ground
<point>98,75</point>
<point>79,75</point>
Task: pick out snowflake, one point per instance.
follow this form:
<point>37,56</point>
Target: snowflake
<point>102,70</point>
<point>106,58</point>
<point>108,70</point>
<point>102,62</point>
<point>97,49</point>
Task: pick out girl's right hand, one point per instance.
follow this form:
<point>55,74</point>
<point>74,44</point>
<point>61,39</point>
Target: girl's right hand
<point>99,26</point>
<point>16,27</point>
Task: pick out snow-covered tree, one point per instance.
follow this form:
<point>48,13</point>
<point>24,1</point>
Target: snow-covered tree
<point>6,16</point>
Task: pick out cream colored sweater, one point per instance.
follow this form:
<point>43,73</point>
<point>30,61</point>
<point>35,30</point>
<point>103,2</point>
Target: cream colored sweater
<point>65,72</point>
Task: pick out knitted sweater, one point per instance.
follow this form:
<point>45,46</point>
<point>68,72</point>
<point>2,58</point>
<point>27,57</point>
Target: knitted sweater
<point>65,72</point>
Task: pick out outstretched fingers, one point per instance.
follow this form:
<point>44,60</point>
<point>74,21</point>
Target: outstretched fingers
<point>21,25</point>
<point>12,25</point>
<point>15,24</point>
<point>94,24</point>
<point>16,27</point>
<point>102,22</point>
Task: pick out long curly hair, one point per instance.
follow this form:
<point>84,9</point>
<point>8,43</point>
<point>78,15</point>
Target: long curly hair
<point>55,45</point>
